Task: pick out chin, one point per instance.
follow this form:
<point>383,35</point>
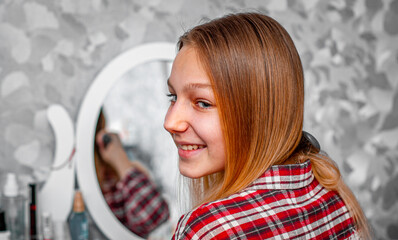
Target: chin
<point>190,171</point>
<point>190,174</point>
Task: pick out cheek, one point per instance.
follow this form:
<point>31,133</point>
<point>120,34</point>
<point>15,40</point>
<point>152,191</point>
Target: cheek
<point>221,144</point>
<point>207,128</point>
<point>217,131</point>
<point>217,140</point>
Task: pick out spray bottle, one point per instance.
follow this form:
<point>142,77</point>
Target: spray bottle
<point>14,205</point>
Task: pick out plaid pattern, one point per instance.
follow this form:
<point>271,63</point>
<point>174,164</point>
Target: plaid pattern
<point>286,202</point>
<point>136,202</point>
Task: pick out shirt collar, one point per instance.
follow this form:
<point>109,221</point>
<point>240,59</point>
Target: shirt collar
<point>291,176</point>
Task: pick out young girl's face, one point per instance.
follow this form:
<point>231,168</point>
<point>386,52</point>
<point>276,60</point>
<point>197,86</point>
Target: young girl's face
<point>192,118</point>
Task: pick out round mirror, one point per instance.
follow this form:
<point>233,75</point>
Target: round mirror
<point>139,126</point>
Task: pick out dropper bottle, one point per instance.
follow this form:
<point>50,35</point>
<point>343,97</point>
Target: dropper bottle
<point>78,223</point>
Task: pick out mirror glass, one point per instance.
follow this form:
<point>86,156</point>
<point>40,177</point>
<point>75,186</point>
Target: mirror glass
<point>134,109</point>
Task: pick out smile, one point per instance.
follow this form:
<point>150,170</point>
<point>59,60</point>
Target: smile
<point>188,151</point>
<point>191,147</point>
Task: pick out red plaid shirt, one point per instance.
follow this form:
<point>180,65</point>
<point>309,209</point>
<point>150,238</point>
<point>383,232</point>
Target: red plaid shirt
<point>286,202</point>
<point>136,202</point>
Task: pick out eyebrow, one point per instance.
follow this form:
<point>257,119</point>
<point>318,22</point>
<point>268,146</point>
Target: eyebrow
<point>191,85</point>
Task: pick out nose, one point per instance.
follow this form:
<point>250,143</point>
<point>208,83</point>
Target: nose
<point>176,120</point>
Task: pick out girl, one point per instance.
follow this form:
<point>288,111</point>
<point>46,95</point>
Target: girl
<point>236,117</point>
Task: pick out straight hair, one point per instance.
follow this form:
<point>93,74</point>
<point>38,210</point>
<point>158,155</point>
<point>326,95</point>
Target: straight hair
<point>258,82</point>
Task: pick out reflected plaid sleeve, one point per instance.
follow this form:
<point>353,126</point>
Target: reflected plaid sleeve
<point>137,203</point>
<point>285,203</point>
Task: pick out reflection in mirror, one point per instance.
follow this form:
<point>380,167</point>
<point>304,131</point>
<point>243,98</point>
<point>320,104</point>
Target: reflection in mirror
<point>135,168</point>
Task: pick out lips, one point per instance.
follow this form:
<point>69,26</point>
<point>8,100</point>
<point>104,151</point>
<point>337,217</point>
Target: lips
<point>191,147</point>
<point>186,151</point>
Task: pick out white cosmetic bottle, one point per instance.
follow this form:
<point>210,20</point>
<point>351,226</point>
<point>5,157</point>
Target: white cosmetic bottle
<point>14,206</point>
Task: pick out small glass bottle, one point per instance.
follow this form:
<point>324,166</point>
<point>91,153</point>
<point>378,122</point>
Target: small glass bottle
<point>14,205</point>
<point>78,222</point>
<point>4,233</point>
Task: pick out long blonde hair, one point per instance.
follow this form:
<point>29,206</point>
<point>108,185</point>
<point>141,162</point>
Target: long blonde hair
<point>258,82</point>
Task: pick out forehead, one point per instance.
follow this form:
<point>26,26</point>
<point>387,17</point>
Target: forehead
<point>188,70</point>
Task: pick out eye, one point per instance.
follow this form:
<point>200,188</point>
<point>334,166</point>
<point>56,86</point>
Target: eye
<point>172,97</point>
<point>203,104</point>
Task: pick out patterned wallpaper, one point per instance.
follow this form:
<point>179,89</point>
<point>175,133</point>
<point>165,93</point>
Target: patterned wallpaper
<point>50,52</point>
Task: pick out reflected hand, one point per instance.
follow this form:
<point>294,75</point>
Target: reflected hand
<point>112,151</point>
<point>106,139</point>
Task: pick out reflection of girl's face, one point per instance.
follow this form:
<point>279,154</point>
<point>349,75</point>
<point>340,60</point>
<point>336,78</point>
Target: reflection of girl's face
<point>192,118</point>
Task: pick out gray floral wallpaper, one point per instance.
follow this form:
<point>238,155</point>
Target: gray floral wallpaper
<point>51,51</point>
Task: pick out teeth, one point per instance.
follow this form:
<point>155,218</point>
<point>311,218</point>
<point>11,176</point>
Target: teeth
<point>191,147</point>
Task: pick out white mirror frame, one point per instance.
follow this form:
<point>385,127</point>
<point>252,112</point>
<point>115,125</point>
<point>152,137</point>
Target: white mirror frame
<point>86,123</point>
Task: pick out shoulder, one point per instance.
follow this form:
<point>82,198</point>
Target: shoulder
<point>196,223</point>
<point>262,214</point>
<point>218,218</point>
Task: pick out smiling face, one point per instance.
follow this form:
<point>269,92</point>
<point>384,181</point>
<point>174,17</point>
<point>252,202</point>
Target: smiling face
<point>192,118</point>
